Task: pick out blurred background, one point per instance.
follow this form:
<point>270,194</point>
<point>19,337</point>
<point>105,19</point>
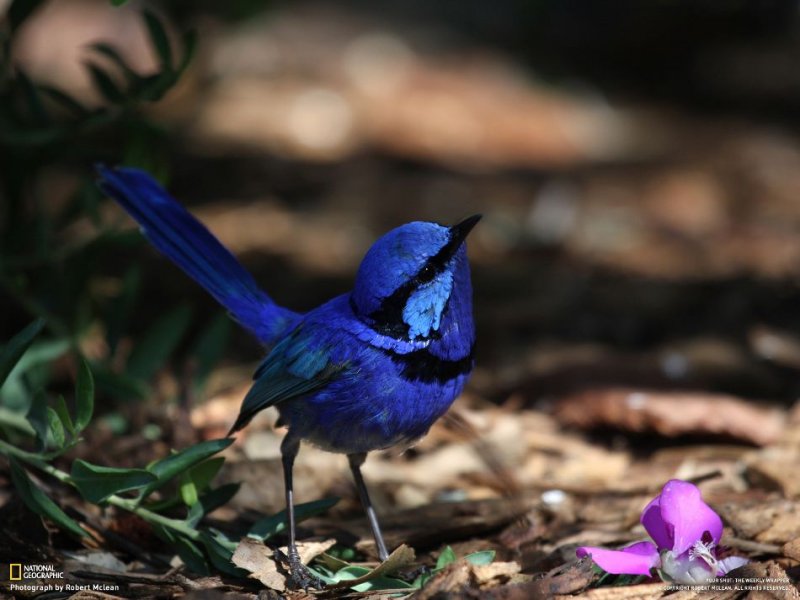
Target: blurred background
<point>636,271</point>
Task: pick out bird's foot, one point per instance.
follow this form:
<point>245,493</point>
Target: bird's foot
<point>412,574</point>
<point>300,578</point>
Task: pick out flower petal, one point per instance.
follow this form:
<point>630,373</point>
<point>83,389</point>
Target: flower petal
<point>686,515</point>
<point>655,526</point>
<point>685,570</point>
<point>636,559</point>
<point>729,564</point>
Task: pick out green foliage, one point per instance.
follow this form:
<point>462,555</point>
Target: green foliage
<point>38,502</point>
<point>448,557</point>
<point>339,574</point>
<point>335,571</point>
<point>16,347</point>
<point>352,572</point>
<point>158,343</point>
<point>84,397</point>
<point>21,10</point>
<point>275,524</point>
<point>42,127</point>
<point>75,304</point>
<point>197,478</point>
<point>445,558</point>
<point>208,348</point>
<point>169,468</point>
<point>55,430</point>
<point>96,483</point>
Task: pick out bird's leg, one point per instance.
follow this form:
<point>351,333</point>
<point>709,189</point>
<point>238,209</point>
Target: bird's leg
<point>356,460</point>
<point>300,577</point>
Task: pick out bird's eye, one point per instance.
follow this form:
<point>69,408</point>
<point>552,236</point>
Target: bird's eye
<point>426,274</point>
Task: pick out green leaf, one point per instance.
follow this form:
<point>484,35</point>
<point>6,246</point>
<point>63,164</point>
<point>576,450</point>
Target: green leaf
<point>213,499</point>
<point>382,583</point>
<point>21,10</point>
<point>37,417</point>
<point>158,343</point>
<point>190,554</point>
<point>105,84</point>
<point>120,308</point>
<point>84,396</point>
<point>118,2</point>
<point>120,385</point>
<point>159,39</point>
<point>10,418</point>
<point>210,347</point>
<point>175,464</point>
<point>39,503</point>
<point>204,473</point>
<point>188,491</point>
<point>66,101</point>
<point>197,479</point>
<point>63,414</point>
<point>97,483</point>
<point>152,88</point>
<point>56,428</point>
<point>195,515</point>
<point>35,366</point>
<point>112,54</point>
<point>220,550</point>
<point>16,347</point>
<point>33,98</point>
<point>350,572</point>
<point>272,525</point>
<point>361,579</point>
<point>41,352</point>
<point>189,48</point>
<point>210,501</point>
<point>446,557</point>
<point>483,557</point>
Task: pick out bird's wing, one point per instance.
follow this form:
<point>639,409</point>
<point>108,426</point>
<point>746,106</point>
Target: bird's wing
<point>296,366</point>
<point>187,242</point>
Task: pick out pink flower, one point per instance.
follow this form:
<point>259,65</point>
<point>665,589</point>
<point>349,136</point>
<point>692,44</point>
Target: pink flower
<point>686,533</point>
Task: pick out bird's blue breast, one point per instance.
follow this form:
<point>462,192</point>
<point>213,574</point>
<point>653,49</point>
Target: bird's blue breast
<point>389,392</point>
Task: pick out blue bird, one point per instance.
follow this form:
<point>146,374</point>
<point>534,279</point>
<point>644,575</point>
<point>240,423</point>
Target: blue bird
<point>367,370</point>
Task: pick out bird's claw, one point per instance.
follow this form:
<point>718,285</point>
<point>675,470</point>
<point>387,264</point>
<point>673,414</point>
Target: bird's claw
<point>300,578</point>
<point>414,573</point>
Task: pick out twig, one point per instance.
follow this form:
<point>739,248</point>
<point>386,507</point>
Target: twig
<point>751,546</point>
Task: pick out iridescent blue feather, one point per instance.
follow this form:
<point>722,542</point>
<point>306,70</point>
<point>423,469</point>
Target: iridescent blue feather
<point>367,370</point>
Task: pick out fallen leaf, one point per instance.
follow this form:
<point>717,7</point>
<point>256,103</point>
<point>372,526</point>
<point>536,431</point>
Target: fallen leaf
<point>792,549</point>
<point>774,469</point>
<point>772,574</point>
<point>494,573</point>
<point>452,578</point>
<point>255,557</point>
<point>673,413</point>
<point>399,559</point>
<point>563,580</point>
<point>775,521</point>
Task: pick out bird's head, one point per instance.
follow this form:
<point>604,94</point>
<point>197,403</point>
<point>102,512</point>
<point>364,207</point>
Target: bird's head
<point>407,278</point>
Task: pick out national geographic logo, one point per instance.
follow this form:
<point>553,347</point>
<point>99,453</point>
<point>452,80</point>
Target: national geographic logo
<point>43,578</point>
<point>20,572</point>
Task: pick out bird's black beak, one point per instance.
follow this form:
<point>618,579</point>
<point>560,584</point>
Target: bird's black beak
<point>459,232</point>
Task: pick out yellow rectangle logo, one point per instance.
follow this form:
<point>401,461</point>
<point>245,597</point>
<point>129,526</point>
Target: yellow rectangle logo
<point>15,572</point>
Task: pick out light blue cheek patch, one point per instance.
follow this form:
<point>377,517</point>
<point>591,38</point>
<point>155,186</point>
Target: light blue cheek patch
<point>423,310</point>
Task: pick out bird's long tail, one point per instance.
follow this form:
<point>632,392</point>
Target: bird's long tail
<point>187,242</point>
